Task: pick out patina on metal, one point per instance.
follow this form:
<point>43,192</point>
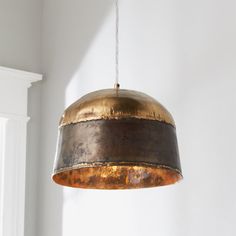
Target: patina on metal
<point>116,139</point>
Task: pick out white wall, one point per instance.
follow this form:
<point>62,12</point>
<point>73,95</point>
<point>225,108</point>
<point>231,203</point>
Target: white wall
<point>181,52</point>
<point>20,24</point>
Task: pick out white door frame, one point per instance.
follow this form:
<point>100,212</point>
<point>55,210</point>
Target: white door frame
<point>14,86</point>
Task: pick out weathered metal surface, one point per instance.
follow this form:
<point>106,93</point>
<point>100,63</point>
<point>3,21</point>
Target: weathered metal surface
<point>117,177</point>
<point>117,154</point>
<point>112,104</point>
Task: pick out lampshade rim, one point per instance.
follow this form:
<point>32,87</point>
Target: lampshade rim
<point>100,164</point>
<point>177,172</point>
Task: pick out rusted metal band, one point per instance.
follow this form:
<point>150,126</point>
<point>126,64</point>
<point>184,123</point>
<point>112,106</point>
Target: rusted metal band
<point>117,141</point>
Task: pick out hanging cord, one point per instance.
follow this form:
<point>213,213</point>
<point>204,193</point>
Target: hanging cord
<point>117,85</point>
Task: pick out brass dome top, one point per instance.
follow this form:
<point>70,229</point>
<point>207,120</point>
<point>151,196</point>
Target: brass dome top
<point>115,104</point>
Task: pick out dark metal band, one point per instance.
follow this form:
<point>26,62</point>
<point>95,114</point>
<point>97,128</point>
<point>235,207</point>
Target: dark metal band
<point>117,141</point>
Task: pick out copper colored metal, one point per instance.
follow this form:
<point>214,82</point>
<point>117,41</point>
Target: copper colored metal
<point>117,139</point>
<point>111,104</point>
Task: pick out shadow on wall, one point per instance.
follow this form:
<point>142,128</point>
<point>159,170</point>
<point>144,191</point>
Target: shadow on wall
<point>68,30</point>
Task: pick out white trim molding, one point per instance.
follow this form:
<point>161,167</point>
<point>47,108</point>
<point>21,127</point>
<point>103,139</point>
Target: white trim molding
<point>26,76</point>
<point>14,86</point>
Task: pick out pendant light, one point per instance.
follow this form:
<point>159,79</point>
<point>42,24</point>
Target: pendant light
<point>116,139</point>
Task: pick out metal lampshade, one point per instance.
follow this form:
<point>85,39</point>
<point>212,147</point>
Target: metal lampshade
<point>116,139</point>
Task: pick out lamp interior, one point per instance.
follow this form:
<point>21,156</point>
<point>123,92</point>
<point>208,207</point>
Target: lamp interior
<point>117,177</point>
